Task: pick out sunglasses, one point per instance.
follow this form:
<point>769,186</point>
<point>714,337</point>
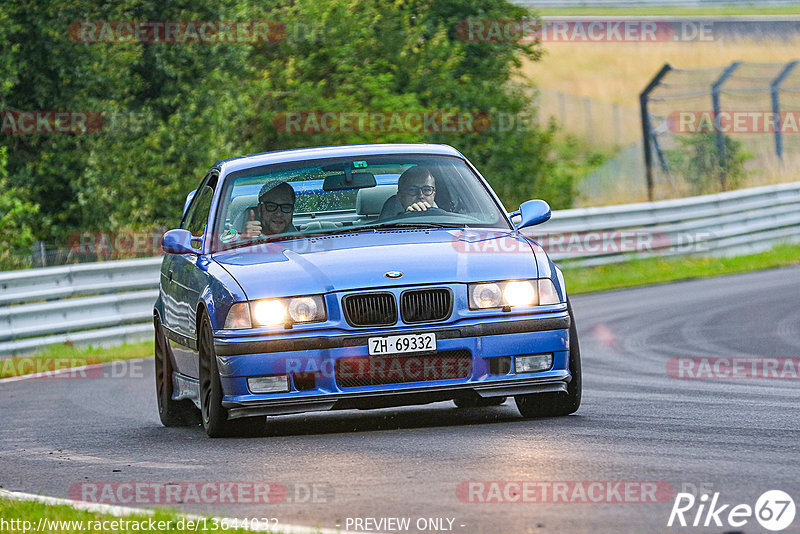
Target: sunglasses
<point>272,206</point>
<point>412,190</point>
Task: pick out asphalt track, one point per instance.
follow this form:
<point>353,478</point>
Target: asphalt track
<point>738,437</point>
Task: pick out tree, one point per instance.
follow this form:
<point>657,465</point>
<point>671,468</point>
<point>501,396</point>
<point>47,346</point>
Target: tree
<point>404,56</point>
<point>171,109</point>
<point>17,219</point>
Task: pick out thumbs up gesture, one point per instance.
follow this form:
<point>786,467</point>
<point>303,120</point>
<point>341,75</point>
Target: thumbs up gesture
<point>252,227</point>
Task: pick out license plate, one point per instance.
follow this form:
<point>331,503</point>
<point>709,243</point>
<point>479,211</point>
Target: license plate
<point>401,344</point>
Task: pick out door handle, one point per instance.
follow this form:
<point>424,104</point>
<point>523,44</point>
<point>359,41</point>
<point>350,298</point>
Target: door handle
<point>169,277</point>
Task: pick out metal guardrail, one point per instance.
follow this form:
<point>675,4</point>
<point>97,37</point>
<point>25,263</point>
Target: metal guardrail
<point>111,302</point>
<point>730,223</point>
<point>105,303</point>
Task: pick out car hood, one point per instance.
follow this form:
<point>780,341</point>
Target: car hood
<point>362,260</point>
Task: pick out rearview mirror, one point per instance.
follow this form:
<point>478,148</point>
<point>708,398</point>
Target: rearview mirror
<point>349,180</point>
<point>180,241</point>
<point>531,213</point>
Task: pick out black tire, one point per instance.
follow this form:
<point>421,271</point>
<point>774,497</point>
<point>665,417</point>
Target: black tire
<point>214,416</point>
<point>479,402</point>
<point>171,412</point>
<point>558,404</point>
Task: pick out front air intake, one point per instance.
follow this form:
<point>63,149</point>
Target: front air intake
<point>426,305</point>
<point>370,309</point>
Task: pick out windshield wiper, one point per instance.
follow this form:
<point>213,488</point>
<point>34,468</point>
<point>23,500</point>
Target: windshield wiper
<point>384,226</point>
<point>261,240</point>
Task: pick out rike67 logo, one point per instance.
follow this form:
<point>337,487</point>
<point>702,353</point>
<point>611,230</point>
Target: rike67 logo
<point>774,510</point>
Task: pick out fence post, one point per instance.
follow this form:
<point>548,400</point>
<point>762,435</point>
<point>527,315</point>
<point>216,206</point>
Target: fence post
<point>715,91</point>
<point>774,89</point>
<point>39,254</point>
<point>646,128</point>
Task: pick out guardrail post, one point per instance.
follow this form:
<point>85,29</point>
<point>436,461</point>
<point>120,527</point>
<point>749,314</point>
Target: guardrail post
<point>647,134</point>
<point>774,89</point>
<point>716,88</point>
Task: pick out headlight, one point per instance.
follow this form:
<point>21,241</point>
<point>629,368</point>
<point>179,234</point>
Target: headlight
<point>487,295</point>
<point>272,312</point>
<point>484,296</point>
<point>306,309</point>
<point>269,312</point>
<point>520,294</point>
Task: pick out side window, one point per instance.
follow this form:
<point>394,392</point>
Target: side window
<point>197,216</point>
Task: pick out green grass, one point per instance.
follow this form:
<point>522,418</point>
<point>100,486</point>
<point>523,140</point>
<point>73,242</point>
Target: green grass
<point>721,11</point>
<point>66,356</point>
<point>660,270</point>
<point>33,511</point>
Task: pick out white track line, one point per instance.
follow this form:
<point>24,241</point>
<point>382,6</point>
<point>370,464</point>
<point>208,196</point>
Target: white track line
<point>122,511</point>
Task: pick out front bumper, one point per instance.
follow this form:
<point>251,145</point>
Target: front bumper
<point>240,358</point>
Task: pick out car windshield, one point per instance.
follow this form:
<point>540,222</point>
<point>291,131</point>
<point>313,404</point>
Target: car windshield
<point>342,195</point>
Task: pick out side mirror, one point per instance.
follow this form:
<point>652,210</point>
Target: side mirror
<point>189,198</point>
<point>531,213</point>
<point>180,242</point>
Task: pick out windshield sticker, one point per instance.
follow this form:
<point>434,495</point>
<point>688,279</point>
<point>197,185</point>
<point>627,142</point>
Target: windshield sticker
<point>228,235</point>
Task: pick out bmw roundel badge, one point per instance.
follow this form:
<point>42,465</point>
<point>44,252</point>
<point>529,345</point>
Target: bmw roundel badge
<point>394,274</point>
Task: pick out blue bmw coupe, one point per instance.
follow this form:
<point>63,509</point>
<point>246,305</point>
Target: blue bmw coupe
<point>357,277</point>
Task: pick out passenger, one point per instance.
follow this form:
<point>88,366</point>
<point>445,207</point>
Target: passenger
<point>274,212</point>
<point>416,191</point>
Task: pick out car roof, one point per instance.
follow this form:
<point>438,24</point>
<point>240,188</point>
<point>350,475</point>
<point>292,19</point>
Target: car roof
<point>301,154</point>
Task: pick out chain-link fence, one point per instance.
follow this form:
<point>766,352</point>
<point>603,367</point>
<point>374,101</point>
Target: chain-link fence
<point>601,124</point>
<point>713,129</point>
<point>85,247</point>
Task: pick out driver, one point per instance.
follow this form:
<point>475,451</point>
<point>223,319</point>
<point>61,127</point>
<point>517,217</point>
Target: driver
<point>275,211</point>
<point>416,191</point>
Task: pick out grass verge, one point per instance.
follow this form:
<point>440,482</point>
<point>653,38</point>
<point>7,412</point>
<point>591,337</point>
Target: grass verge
<point>23,517</point>
<point>58,357</point>
<point>659,270</point>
